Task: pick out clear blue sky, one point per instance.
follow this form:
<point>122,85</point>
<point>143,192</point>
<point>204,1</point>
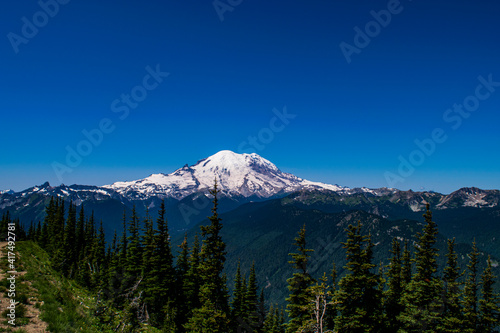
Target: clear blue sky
<point>354,121</point>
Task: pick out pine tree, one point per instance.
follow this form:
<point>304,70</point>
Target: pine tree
<point>99,256</point>
<point>191,281</point>
<point>213,315</point>
<point>299,284</point>
<point>331,311</point>
<point>149,274</point>
<point>252,320</point>
<point>422,295</point>
<point>133,266</point>
<point>452,322</point>
<point>406,266</point>
<point>489,306</point>
<point>359,296</point>
<point>80,233</point>
<point>182,264</point>
<point>69,242</point>
<point>237,305</point>
<point>470,299</point>
<point>113,278</point>
<point>392,296</point>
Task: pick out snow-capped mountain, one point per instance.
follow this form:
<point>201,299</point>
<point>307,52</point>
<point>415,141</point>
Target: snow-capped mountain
<point>6,192</point>
<point>245,175</point>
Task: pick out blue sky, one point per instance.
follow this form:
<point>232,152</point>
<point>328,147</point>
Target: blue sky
<point>352,123</point>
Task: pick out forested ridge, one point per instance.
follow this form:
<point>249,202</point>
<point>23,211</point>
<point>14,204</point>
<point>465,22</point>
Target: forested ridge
<point>153,285</point>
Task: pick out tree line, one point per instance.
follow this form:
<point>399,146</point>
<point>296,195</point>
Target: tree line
<point>139,274</point>
<point>406,296</point>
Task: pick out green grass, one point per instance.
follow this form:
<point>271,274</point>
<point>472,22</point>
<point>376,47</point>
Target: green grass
<point>65,305</point>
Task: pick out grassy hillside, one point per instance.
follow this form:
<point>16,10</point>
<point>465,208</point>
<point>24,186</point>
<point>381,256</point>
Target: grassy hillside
<point>63,305</point>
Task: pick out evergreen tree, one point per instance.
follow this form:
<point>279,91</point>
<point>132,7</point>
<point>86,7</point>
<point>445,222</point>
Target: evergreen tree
<point>299,284</point>
<point>113,279</point>
<point>252,318</point>
<point>237,305</point>
<point>192,282</point>
<point>133,266</point>
<point>162,282</point>
<point>359,295</point>
<point>98,258</point>
<point>331,312</point>
<point>452,314</point>
<point>392,296</point>
<point>406,266</point>
<point>422,295</point>
<point>213,315</point>
<point>182,264</point>
<point>489,307</point>
<point>470,311</point>
<point>80,233</point>
<point>69,242</point>
<point>317,307</point>
<point>148,271</point>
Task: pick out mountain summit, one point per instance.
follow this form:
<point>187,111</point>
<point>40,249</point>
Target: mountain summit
<point>237,174</point>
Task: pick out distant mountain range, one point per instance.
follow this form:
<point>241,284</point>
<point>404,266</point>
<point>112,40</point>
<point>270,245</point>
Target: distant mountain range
<point>263,208</point>
<point>242,178</point>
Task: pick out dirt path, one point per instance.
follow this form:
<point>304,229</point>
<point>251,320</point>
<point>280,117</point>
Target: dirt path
<point>35,325</point>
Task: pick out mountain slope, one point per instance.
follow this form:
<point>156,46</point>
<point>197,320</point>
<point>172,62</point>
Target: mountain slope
<point>264,232</point>
<point>238,174</point>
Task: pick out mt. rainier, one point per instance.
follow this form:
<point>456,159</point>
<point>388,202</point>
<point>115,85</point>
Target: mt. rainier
<point>237,174</point>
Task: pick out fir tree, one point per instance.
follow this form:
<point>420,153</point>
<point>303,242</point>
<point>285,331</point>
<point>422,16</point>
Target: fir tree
<point>422,295</point>
<point>192,281</point>
<point>359,295</point>
<point>133,266</point>
<point>489,307</point>
<point>392,296</point>
<point>251,303</point>
<point>470,311</point>
<point>213,315</point>
<point>69,242</point>
<point>80,233</point>
<point>162,277</point>
<point>299,284</point>
<point>406,266</point>
<point>237,305</point>
<point>452,314</point>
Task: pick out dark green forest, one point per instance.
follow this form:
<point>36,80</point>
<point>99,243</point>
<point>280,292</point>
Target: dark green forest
<point>142,276</point>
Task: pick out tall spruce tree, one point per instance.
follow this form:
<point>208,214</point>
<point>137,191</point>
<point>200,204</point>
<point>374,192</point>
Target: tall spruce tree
<point>359,295</point>
<point>470,297</point>
<point>214,314</point>
<point>192,282</point>
<point>162,281</point>
<point>406,265</point>
<point>237,305</point>
<point>452,314</point>
<point>392,296</point>
<point>422,295</point>
<point>133,267</point>
<point>299,284</point>
<point>489,306</point>
<point>251,304</point>
<point>69,241</point>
